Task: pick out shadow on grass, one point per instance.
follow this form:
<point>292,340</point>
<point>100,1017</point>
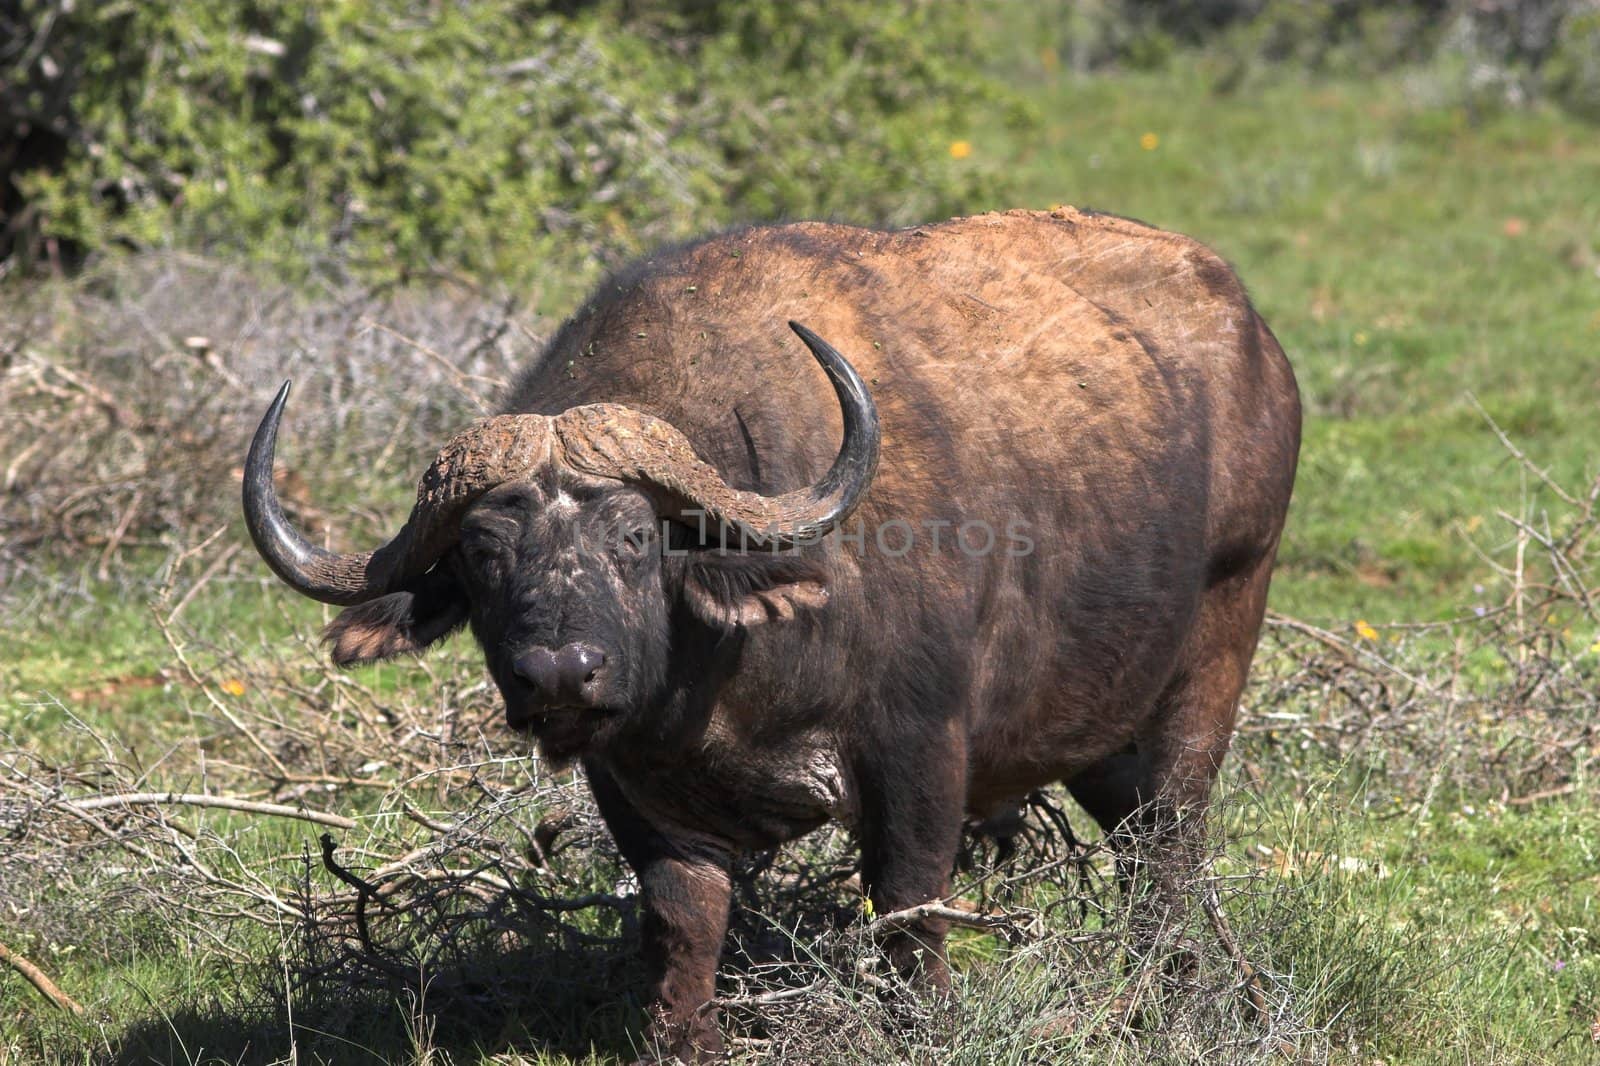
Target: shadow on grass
<point>584,1003</point>
<point>539,985</point>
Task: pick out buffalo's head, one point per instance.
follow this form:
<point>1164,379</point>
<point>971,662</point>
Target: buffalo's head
<point>574,546</point>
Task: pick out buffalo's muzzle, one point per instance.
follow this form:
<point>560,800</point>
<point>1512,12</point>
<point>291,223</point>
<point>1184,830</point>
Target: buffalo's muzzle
<point>571,676</point>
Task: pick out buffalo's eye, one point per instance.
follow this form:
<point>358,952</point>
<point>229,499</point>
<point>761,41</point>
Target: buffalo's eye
<point>633,543</point>
<point>482,552</point>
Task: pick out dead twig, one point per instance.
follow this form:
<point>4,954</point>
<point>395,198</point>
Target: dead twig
<point>364,890</point>
<point>1007,925</point>
<point>200,799</point>
<point>39,980</point>
<point>1542,795</point>
<point>1249,979</point>
<point>462,380</point>
<point>1521,456</point>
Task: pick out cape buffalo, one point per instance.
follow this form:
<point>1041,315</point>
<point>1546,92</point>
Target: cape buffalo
<point>1025,537</point>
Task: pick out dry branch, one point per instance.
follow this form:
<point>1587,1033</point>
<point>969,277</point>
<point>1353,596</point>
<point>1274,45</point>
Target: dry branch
<point>1249,979</point>
<point>39,980</point>
<point>198,799</point>
<point>1521,456</point>
<point>1008,925</point>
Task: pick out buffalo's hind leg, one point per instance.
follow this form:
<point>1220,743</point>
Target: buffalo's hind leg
<point>1151,799</point>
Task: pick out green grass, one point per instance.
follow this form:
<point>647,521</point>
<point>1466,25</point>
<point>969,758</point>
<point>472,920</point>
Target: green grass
<point>1406,251</point>
<point>1469,929</point>
<point>1405,255</point>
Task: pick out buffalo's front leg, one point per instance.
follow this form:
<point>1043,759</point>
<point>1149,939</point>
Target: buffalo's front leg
<point>685,918</point>
<point>913,792</point>
<point>684,897</point>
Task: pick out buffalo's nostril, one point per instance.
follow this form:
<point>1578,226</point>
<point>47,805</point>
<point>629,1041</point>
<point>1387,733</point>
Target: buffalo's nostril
<point>566,676</point>
<point>582,660</point>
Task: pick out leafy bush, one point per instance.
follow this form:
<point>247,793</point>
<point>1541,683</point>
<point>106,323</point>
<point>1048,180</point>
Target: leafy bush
<point>395,136</point>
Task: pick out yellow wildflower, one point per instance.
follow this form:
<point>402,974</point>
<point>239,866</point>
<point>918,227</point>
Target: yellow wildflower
<point>233,687</point>
<point>1365,631</point>
<point>1149,142</point>
<point>960,149</point>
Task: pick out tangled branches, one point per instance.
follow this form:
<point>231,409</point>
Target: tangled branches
<point>129,398</point>
<point>1504,700</point>
<point>374,849</point>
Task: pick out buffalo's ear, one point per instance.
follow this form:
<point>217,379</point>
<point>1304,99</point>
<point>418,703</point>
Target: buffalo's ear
<point>402,623</point>
<point>733,590</point>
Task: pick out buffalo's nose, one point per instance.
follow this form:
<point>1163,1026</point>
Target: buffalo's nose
<point>566,677</point>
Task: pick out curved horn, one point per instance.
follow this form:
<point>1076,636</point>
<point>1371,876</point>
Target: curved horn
<point>846,482</point>
<point>614,441</point>
<point>492,451</point>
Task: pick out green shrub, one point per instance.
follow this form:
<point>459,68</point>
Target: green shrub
<point>389,137</point>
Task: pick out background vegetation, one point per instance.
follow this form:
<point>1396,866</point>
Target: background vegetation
<point>394,202</point>
<point>511,139</point>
